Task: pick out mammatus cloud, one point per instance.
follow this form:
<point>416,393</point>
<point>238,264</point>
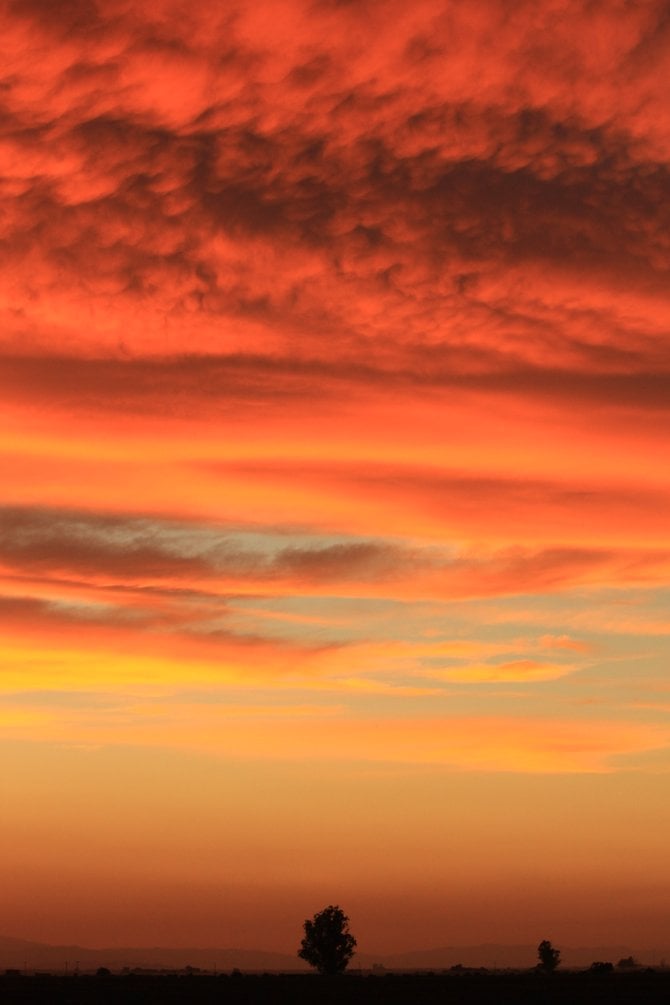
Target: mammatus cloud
<point>196,180</point>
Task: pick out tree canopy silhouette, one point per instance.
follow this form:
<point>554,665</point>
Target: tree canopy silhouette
<point>328,944</point>
<point>549,957</point>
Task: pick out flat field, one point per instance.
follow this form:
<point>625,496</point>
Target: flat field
<point>648,987</point>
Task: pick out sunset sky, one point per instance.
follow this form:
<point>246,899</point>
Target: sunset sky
<point>334,425</point>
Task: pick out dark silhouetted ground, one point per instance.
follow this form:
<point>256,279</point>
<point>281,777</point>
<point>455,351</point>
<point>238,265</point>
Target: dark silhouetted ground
<point>639,988</point>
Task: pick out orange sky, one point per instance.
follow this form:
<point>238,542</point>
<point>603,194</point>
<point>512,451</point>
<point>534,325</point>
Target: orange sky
<point>334,548</point>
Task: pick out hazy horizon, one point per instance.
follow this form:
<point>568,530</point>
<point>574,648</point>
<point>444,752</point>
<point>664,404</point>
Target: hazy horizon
<point>29,955</point>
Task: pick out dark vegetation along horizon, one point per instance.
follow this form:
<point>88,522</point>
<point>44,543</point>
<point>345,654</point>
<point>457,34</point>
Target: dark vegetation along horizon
<point>329,946</point>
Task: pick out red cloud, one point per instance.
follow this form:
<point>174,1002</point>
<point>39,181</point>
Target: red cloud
<point>237,178</point>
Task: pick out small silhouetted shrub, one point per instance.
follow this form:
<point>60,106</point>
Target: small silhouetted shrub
<point>549,957</point>
<point>598,967</point>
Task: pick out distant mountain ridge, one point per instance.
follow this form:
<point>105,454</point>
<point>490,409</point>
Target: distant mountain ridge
<point>23,954</point>
<point>20,953</point>
<point>494,955</point>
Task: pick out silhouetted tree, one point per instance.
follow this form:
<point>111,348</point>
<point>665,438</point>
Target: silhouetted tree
<point>328,944</point>
<point>599,967</point>
<point>628,963</point>
<point>549,957</point>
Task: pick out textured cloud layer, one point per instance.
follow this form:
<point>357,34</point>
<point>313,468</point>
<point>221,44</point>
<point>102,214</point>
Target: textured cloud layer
<point>393,182</point>
<point>315,305</point>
